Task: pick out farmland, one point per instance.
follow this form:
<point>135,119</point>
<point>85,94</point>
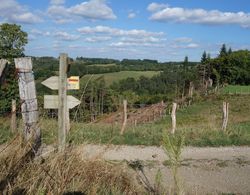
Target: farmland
<point>110,78</point>
<point>236,89</point>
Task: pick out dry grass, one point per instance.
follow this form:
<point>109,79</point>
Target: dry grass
<point>62,173</point>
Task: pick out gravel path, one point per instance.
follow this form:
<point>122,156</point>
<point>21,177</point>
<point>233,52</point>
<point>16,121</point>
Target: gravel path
<point>203,171</point>
<point>112,152</point>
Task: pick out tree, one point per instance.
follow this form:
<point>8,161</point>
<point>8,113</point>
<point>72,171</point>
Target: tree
<point>204,57</point>
<point>12,41</point>
<point>230,50</point>
<point>223,51</point>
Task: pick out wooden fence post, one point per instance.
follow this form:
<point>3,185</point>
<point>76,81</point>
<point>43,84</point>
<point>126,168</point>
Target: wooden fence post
<point>173,116</point>
<point>29,107</point>
<point>225,110</point>
<point>3,63</point>
<point>62,102</point>
<point>13,117</point>
<point>124,116</point>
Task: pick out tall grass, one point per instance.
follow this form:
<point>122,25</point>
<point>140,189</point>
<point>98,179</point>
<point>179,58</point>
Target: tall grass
<point>62,173</point>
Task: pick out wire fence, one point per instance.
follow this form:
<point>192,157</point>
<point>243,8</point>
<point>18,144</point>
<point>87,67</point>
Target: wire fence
<point>93,112</point>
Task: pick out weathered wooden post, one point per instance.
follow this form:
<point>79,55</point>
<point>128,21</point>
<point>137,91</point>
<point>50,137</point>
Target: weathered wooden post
<point>62,102</point>
<point>124,116</point>
<point>27,91</point>
<point>173,116</point>
<point>59,102</point>
<point>225,110</point>
<point>3,63</point>
<point>13,116</point>
<point>190,92</point>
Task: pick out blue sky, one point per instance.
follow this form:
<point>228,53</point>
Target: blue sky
<point>154,29</point>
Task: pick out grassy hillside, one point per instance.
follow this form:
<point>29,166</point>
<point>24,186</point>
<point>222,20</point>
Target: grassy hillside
<point>117,76</point>
<point>103,65</point>
<point>236,89</point>
<point>200,122</point>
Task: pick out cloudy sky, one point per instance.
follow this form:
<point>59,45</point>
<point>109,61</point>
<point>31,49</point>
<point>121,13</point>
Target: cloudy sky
<point>165,30</point>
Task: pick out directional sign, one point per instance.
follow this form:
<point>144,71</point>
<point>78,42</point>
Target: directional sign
<point>51,102</point>
<point>73,82</point>
<point>52,82</point>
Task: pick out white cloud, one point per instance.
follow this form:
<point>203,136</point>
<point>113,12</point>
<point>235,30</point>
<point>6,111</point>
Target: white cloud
<point>153,7</point>
<point>39,32</point>
<point>131,15</point>
<point>183,40</point>
<point>185,46</point>
<point>95,39</point>
<point>12,11</point>
<point>57,2</point>
<point>134,44</point>
<point>149,39</point>
<point>200,16</point>
<point>66,36</point>
<point>117,32</point>
<point>93,9</point>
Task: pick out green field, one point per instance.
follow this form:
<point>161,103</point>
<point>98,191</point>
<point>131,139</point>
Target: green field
<point>200,123</point>
<point>236,89</point>
<point>103,65</point>
<point>109,78</point>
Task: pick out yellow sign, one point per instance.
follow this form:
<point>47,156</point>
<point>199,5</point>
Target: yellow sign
<point>73,82</point>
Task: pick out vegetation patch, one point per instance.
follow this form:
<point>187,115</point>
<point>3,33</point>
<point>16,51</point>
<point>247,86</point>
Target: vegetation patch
<point>64,173</point>
<point>110,78</point>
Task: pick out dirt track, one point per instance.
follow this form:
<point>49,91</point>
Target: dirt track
<point>203,170</point>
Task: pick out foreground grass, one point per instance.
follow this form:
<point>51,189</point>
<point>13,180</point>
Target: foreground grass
<point>62,173</point>
<point>201,124</point>
<point>109,78</point>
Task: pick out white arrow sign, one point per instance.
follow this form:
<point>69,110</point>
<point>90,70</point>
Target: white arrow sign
<point>51,102</point>
<point>52,82</point>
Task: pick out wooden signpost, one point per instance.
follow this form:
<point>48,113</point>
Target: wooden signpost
<point>53,83</point>
<point>52,102</point>
<point>62,102</point>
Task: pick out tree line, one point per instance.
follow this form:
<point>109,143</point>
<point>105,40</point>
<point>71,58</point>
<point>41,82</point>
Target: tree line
<point>229,67</point>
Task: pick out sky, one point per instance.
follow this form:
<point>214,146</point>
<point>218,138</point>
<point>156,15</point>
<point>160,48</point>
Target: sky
<point>164,30</point>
